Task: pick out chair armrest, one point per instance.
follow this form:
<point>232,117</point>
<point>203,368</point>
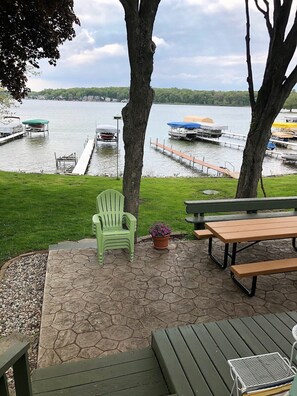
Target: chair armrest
<point>130,221</point>
<point>97,225</point>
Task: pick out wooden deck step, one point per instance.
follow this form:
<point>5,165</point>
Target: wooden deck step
<point>124,374</point>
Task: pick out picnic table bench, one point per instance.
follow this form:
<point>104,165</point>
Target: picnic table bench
<point>260,268</point>
<point>205,211</point>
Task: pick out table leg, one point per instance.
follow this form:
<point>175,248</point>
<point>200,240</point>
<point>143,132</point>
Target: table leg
<point>294,243</point>
<point>221,264</point>
<point>234,251</point>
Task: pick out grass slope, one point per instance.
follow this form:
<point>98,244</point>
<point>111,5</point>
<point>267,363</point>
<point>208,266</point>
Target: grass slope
<point>37,210</point>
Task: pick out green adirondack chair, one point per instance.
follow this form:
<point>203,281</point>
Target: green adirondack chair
<point>114,228</point>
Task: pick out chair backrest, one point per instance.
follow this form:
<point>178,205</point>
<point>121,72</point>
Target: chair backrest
<point>110,206</point>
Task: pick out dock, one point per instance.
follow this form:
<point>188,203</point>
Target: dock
<point>9,138</point>
<point>238,145</point>
<point>192,160</point>
<point>66,162</point>
<point>84,160</point>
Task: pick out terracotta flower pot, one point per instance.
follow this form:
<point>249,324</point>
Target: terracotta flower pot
<point>161,242</point>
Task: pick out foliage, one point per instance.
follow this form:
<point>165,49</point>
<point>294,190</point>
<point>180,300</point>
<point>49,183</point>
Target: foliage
<point>291,102</point>
<point>162,95</point>
<point>37,210</point>
<point>160,230</point>
<point>31,30</point>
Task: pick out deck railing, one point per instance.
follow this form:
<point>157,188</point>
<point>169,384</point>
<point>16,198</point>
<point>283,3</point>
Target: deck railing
<point>17,358</point>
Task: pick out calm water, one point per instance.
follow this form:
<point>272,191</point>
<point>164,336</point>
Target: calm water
<point>71,123</point>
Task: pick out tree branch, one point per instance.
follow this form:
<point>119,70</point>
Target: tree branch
<point>266,15</point>
<point>250,80</point>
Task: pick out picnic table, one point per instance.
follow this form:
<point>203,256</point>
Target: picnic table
<point>252,232</point>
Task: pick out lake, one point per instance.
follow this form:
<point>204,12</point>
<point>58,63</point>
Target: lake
<point>72,123</point>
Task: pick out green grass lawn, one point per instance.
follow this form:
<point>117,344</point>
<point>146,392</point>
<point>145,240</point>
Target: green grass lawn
<point>37,210</point>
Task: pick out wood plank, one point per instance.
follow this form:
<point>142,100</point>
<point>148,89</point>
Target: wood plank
<point>112,385</point>
<point>203,234</point>
<point>95,375</point>
<point>237,342</point>
<point>212,363</point>
<point>264,267</point>
<point>90,364</point>
<point>170,364</point>
<point>268,344</point>
<point>185,357</point>
<point>83,162</point>
<point>258,222</point>
<point>283,346</point>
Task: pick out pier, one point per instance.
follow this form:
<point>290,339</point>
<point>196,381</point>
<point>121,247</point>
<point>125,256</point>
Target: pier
<point>84,160</point>
<point>66,162</point>
<point>192,160</point>
<point>240,146</point>
<point>13,136</point>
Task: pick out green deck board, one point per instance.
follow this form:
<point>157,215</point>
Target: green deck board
<point>169,363</point>
<point>184,354</point>
<point>112,385</point>
<point>248,336</point>
<point>214,364</point>
<point>283,346</point>
<point>95,375</point>
<point>224,343</point>
<point>287,319</point>
<point>90,364</point>
<point>241,348</point>
<point>281,327</point>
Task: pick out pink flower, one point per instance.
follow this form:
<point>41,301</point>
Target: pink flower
<point>159,230</point>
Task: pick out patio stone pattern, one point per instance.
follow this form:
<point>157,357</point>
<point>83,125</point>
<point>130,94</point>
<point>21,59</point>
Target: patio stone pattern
<point>91,310</point>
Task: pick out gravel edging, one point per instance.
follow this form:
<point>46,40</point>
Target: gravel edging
<point>21,295</point>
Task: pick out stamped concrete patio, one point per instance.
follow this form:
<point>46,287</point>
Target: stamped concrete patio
<point>91,310</point>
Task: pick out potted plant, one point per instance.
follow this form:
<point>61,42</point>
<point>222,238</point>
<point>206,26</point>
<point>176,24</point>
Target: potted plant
<point>160,233</point>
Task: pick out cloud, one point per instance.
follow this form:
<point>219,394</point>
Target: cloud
<point>200,45</point>
<point>90,56</point>
<point>159,41</point>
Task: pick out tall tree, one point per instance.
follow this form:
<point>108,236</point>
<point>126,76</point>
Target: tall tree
<point>31,30</point>
<point>139,17</point>
<point>276,86</point>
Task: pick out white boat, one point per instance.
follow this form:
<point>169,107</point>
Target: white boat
<point>207,126</point>
<point>289,157</point>
<point>291,118</point>
<point>106,133</point>
<point>183,130</point>
<point>10,125</point>
<point>192,127</point>
<point>36,125</point>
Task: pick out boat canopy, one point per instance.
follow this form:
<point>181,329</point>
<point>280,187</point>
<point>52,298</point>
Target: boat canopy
<point>182,124</point>
<point>36,121</point>
<point>285,125</point>
<point>106,128</point>
<point>192,118</point>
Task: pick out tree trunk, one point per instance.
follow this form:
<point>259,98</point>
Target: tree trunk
<point>140,17</point>
<point>275,89</point>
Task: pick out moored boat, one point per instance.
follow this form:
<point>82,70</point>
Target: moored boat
<point>290,157</point>
<point>106,133</point>
<point>193,127</point>
<point>36,125</point>
<point>183,130</point>
<point>291,118</point>
<point>270,146</point>
<point>10,125</point>
<point>207,126</point>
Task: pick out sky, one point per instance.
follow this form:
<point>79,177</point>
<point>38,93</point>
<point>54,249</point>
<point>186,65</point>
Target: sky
<point>200,46</point>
